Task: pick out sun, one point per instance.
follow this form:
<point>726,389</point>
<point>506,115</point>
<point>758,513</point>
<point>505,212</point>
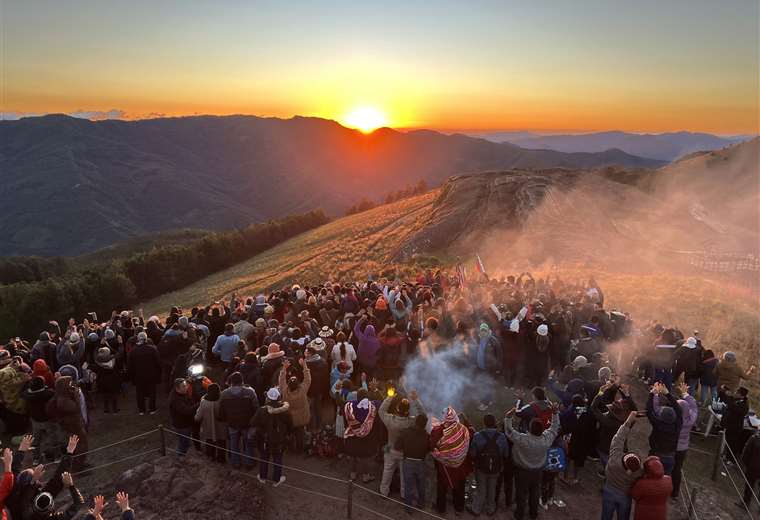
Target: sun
<point>365,119</point>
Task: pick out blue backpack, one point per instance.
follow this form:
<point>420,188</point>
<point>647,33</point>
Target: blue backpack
<point>556,460</point>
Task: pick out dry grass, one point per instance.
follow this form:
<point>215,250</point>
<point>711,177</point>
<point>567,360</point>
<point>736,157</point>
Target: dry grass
<point>352,247</point>
<point>345,249</point>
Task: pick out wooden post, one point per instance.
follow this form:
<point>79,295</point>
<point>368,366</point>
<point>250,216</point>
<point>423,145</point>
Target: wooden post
<point>162,435</point>
<point>718,455</point>
<point>350,501</point>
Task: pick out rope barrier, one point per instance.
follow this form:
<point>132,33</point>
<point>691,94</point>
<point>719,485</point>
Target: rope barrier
<point>741,498</point>
<point>90,470</point>
<point>251,457</point>
<point>94,450</point>
<point>372,491</point>
<point>324,495</point>
<point>741,471</point>
<point>688,495</point>
<point>381,515</point>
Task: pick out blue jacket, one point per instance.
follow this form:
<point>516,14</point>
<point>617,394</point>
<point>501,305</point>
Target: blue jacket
<point>226,346</point>
<point>480,439</point>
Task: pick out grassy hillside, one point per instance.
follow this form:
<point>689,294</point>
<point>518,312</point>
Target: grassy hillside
<point>348,247</point>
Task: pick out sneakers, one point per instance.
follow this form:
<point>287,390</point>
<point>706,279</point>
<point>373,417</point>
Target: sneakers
<point>153,412</point>
<point>557,502</point>
<point>142,413</point>
<point>282,479</point>
<point>261,480</point>
<point>543,504</point>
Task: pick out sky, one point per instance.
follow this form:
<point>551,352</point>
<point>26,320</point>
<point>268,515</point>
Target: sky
<point>546,65</point>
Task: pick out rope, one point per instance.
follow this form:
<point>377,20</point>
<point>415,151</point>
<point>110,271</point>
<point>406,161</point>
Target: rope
<point>741,497</point>
<point>90,470</point>
<point>688,495</point>
<point>381,515</point>
<point>738,465</point>
<point>372,491</point>
<point>94,450</point>
<point>325,495</point>
<point>251,457</point>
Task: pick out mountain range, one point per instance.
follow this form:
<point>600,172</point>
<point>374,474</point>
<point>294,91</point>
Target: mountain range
<point>665,147</point>
<point>69,186</point>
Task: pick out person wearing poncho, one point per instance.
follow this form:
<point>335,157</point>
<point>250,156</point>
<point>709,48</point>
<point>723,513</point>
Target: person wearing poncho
<point>362,434</point>
<point>449,442</point>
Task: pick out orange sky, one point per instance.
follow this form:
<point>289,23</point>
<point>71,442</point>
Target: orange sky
<point>598,65</point>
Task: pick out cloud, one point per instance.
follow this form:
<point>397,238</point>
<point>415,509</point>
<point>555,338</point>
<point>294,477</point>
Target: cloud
<point>13,116</point>
<point>99,115</point>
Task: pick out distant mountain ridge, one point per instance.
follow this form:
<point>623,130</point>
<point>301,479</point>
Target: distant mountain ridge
<point>69,186</point>
<point>665,147</point>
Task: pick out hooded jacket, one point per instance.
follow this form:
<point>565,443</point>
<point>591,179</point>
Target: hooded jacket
<point>297,399</point>
<point>238,405</point>
<point>36,401</point>
<point>65,407</point>
<point>108,378</point>
<point>40,368</point>
<point>665,430</point>
<point>369,345</point>
<point>144,364</point>
<point>530,451</point>
<point>689,413</point>
<point>272,422</point>
<point>651,492</point>
<point>208,414</point>
<point>615,474</point>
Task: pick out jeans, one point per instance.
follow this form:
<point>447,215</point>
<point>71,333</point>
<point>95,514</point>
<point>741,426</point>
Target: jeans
<point>414,479</point>
<point>143,392</point>
<point>485,493</point>
<point>392,460</point>
<point>215,450</point>
<point>692,384</point>
<point>708,394</point>
<point>528,484</point>
<point>315,408</point>
<point>276,455</point>
<point>615,502</point>
<point>506,481</point>
<point>668,461</point>
<point>183,440</point>
<point>240,442</point>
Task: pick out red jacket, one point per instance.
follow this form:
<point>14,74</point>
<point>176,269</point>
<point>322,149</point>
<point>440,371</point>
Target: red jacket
<point>651,491</point>
<point>6,486</point>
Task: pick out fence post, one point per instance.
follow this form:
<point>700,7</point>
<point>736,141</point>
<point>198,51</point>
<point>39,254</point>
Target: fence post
<point>163,439</point>
<point>350,501</point>
<point>718,455</point>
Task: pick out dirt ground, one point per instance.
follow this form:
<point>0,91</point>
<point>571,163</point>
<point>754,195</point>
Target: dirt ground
<point>307,496</point>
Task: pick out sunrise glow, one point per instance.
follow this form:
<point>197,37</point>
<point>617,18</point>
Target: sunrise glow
<point>365,119</point>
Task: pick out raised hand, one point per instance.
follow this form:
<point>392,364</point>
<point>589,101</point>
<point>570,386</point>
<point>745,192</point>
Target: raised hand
<point>100,504</point>
<point>123,500</point>
<point>26,443</point>
<point>7,459</point>
<point>67,480</point>
<point>72,446</point>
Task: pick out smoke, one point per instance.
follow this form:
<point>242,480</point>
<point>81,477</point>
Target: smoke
<point>446,375</point>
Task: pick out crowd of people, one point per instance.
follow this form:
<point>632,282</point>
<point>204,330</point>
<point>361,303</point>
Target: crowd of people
<point>319,370</point>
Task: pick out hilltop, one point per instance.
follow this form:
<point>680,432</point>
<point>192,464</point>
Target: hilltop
<point>70,186</point>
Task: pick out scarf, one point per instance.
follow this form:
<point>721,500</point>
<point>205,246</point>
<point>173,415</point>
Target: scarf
<point>359,418</point>
<point>451,450</point>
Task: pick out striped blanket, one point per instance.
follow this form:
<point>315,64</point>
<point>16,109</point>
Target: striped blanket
<point>451,450</point>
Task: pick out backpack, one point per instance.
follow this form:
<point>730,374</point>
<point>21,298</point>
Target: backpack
<point>544,415</point>
<point>490,460</point>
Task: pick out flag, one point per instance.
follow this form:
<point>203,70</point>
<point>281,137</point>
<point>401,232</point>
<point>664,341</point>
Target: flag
<point>461,275</point>
<point>479,265</point>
